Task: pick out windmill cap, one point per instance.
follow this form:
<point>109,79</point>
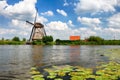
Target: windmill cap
<point>38,25</point>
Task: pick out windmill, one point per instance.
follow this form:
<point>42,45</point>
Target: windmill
<point>38,30</point>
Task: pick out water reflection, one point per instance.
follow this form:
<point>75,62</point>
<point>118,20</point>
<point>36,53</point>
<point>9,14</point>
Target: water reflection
<point>85,56</point>
<point>54,55</point>
<point>74,54</point>
<point>37,55</point>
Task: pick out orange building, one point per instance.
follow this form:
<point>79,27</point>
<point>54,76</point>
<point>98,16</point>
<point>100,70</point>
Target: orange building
<point>74,38</point>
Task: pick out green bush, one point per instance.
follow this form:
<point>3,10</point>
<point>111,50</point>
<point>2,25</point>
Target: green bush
<point>15,38</point>
<point>47,40</point>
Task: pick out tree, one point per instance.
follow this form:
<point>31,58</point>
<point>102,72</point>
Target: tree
<point>15,38</point>
<point>95,38</point>
<point>24,39</point>
<point>57,41</point>
<point>47,39</point>
<point>3,39</point>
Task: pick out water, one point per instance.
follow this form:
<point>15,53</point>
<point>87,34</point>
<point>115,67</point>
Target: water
<point>16,60</point>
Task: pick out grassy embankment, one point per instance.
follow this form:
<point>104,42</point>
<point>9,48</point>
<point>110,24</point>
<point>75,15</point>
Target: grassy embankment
<point>82,42</point>
<point>63,42</point>
<point>12,42</point>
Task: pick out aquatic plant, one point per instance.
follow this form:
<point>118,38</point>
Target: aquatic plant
<point>105,71</point>
<point>58,79</point>
<point>51,76</point>
<point>34,71</point>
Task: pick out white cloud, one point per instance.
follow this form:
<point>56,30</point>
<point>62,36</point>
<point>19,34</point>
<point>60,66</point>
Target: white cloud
<point>48,13</point>
<point>114,21</point>
<point>10,33</point>
<point>15,22</point>
<point>89,21</point>
<point>54,28</point>
<point>70,23</point>
<point>20,10</point>
<point>61,30</point>
<point>3,4</point>
<point>41,19</point>
<point>118,2</point>
<point>4,31</point>
<point>66,33</point>
<point>62,12</point>
<point>21,25</point>
<point>111,33</point>
<point>57,29</point>
<point>65,3</point>
<point>95,6</point>
<point>86,32</point>
<point>21,28</point>
<point>57,25</point>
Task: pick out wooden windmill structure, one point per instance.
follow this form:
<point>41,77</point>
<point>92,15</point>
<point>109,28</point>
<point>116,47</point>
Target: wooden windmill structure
<point>38,30</point>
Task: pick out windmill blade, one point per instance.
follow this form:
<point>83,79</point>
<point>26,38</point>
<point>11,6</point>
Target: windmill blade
<point>44,32</point>
<point>36,15</point>
<point>31,34</point>
<point>29,22</point>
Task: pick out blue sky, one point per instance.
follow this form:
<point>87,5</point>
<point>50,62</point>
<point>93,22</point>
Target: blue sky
<point>61,18</point>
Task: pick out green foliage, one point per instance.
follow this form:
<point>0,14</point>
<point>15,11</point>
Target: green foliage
<point>105,71</point>
<point>11,42</point>
<point>57,41</point>
<point>47,40</point>
<point>95,39</point>
<point>37,42</point>
<point>24,39</point>
<point>92,40</point>
<point>2,39</point>
<point>15,38</point>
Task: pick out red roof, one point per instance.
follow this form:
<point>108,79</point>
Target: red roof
<point>74,37</point>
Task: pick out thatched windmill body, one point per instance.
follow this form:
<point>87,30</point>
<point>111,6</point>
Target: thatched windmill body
<point>38,30</point>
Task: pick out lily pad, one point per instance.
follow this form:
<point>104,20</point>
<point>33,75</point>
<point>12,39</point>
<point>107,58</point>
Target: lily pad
<point>34,72</point>
<point>58,79</point>
<point>51,76</point>
<point>37,76</point>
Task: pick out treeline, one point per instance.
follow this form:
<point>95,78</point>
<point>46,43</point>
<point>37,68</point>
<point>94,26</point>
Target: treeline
<point>92,40</point>
<point>14,41</point>
<point>48,40</point>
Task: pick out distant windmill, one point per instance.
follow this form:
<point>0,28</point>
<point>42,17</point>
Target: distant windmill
<point>38,30</point>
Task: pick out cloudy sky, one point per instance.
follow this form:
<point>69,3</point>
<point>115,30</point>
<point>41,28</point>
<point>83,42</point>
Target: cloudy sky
<point>61,18</point>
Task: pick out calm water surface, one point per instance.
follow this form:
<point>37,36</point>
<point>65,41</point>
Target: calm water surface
<point>16,61</point>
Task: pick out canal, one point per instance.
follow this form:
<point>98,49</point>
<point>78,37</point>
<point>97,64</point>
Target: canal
<point>16,60</point>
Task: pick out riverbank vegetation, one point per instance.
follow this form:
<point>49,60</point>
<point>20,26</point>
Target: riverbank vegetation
<point>92,40</point>
<point>14,41</point>
<point>48,40</point>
